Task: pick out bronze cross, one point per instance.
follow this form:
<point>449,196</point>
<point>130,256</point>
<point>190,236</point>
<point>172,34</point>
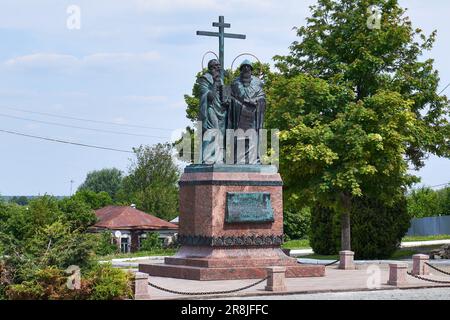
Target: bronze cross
<point>221,35</point>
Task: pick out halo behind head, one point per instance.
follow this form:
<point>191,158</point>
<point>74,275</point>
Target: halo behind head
<point>246,63</point>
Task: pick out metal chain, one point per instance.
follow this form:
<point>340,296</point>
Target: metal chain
<point>318,264</point>
<point>437,269</point>
<point>334,262</point>
<point>429,280</point>
<point>206,293</point>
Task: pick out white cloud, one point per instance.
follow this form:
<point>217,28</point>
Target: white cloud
<point>69,63</point>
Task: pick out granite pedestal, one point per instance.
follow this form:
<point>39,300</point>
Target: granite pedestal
<point>231,226</point>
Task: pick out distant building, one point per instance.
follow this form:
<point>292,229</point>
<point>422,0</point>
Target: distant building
<point>129,226</point>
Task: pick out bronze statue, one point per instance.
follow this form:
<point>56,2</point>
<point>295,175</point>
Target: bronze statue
<point>247,108</point>
<point>239,107</point>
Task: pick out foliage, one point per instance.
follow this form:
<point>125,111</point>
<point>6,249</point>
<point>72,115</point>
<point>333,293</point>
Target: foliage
<point>297,224</point>
<point>46,284</point>
<point>377,231</point>
<point>426,202</point>
<point>40,241</point>
<point>151,242</point>
<point>109,283</point>
<point>103,282</point>
<point>95,200</point>
<point>20,200</point>
<point>152,181</point>
<point>103,244</point>
<point>77,213</point>
<point>324,237</point>
<point>107,180</point>
<point>355,106</point>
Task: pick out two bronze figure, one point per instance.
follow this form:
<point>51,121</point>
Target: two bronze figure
<point>231,115</point>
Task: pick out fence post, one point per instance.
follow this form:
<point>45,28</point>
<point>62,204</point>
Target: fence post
<point>420,267</point>
<point>397,274</point>
<point>346,260</point>
<point>276,279</point>
<point>141,289</point>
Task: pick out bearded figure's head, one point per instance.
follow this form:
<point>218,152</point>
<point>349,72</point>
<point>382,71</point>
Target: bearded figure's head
<point>246,69</point>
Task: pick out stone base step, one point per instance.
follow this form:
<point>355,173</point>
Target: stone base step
<point>232,273</point>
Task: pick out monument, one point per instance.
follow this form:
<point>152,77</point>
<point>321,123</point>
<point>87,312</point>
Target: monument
<point>231,214</point>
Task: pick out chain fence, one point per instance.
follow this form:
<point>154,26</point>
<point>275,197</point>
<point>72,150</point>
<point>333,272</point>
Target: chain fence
<point>428,280</point>
<point>432,280</point>
<point>437,269</point>
<point>316,264</point>
<point>185,293</point>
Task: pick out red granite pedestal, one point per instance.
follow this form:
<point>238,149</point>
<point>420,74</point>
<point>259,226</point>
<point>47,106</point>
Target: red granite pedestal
<point>214,249</point>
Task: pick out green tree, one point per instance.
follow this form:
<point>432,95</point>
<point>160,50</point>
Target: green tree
<point>77,213</point>
<point>423,202</point>
<point>152,181</point>
<point>20,200</point>
<point>95,200</point>
<point>355,106</point>
<point>107,180</point>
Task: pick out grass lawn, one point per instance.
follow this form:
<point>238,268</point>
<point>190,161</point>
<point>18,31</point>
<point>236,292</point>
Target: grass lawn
<point>296,244</point>
<point>427,238</point>
<point>155,252</point>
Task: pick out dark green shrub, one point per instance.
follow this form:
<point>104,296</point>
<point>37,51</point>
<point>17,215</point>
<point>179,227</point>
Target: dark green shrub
<point>324,235</point>
<point>297,224</point>
<point>377,228</point>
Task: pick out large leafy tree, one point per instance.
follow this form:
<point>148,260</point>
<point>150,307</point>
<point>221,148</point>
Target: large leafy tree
<point>356,105</point>
<point>106,180</point>
<point>152,181</point>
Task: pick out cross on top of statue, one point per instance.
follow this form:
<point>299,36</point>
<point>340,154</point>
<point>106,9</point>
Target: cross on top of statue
<point>221,35</point>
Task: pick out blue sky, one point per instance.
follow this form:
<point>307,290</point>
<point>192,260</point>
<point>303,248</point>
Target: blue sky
<point>130,63</point>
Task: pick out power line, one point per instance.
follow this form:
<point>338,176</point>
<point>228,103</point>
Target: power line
<point>63,141</point>
<point>88,120</point>
<point>83,128</point>
<point>444,89</point>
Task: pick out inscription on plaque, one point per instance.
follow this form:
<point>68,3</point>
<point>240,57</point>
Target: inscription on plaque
<point>248,207</point>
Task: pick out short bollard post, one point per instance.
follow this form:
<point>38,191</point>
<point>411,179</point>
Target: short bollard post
<point>276,279</point>
<point>420,267</point>
<point>346,260</point>
<point>141,289</point>
<point>397,274</point>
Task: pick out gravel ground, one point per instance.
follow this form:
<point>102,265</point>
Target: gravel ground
<point>411,294</point>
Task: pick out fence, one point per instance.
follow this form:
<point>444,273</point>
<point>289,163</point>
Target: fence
<point>429,226</point>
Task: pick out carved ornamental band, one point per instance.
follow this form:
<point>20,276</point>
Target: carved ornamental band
<point>232,241</point>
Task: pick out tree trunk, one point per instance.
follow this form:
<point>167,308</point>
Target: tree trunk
<point>345,223</point>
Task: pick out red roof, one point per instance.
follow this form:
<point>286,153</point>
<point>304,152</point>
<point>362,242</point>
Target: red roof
<point>114,217</point>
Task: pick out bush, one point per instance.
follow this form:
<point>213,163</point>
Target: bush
<point>103,282</point>
<point>325,233</point>
<point>103,245</point>
<point>151,242</point>
<point>108,283</point>
<point>297,224</point>
<point>46,284</point>
<point>377,229</point>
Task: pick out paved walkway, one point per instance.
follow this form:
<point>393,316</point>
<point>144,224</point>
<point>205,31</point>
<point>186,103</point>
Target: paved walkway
<point>365,278</point>
<point>397,294</point>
